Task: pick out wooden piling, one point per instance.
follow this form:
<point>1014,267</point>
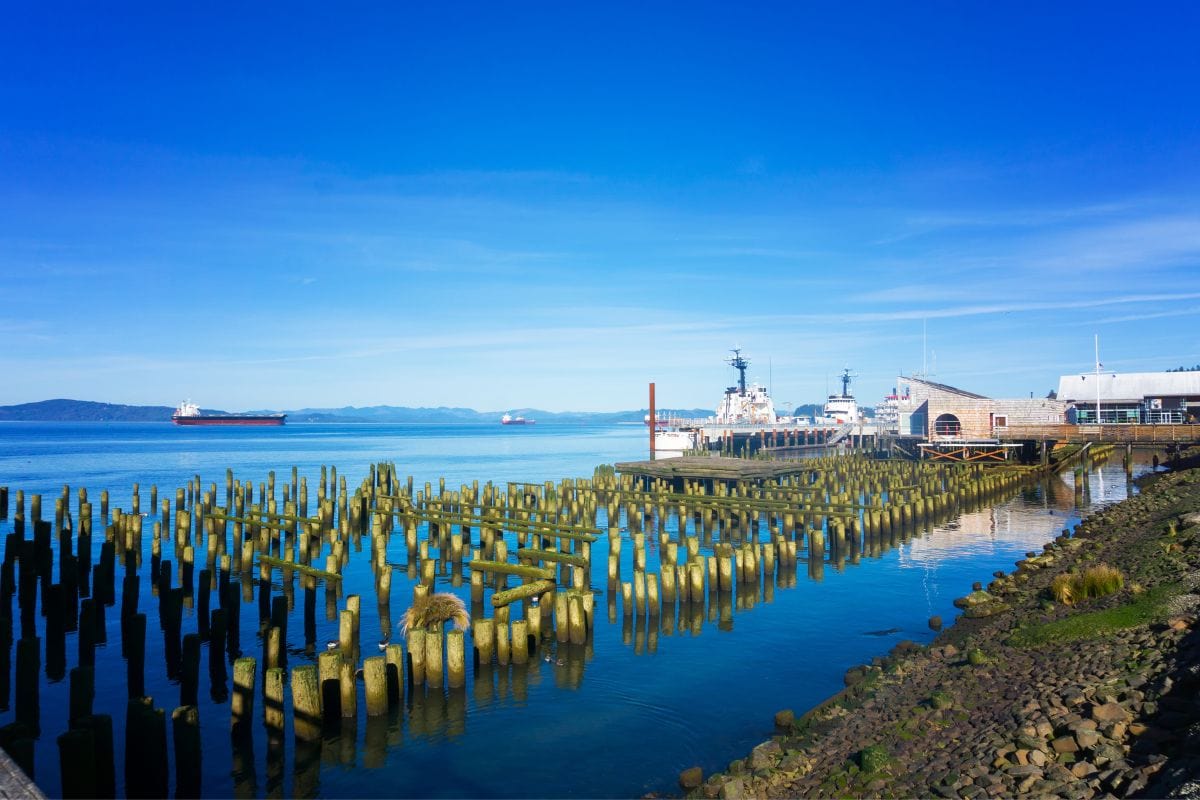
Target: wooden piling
<point>242,702</point>
<point>348,687</point>
<point>396,659</point>
<point>101,727</point>
<point>77,763</point>
<point>306,703</point>
<point>329,674</point>
<point>273,700</point>
<point>434,668</point>
<point>416,657</point>
<point>145,749</point>
<point>185,729</point>
<point>28,702</point>
<point>83,693</point>
<point>189,678</point>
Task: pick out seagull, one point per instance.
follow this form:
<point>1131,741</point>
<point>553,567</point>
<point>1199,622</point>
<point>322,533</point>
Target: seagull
<point>331,645</point>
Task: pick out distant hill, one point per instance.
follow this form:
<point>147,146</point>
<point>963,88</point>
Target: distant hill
<point>83,411</point>
<point>62,410</point>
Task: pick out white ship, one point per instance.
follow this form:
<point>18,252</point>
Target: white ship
<point>841,409</point>
<point>744,409</point>
<point>887,413</point>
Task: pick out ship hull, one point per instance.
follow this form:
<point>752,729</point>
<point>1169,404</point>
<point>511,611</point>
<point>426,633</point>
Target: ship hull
<point>274,420</point>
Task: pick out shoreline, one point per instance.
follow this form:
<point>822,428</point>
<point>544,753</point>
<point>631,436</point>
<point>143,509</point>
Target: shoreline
<point>1022,695</point>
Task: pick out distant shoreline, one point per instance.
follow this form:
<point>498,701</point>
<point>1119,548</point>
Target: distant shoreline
<point>63,410</point>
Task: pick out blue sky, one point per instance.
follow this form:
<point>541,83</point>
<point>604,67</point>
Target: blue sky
<point>550,205</point>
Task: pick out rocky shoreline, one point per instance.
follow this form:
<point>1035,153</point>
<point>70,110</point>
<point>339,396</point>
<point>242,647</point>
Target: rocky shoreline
<point>1023,695</point>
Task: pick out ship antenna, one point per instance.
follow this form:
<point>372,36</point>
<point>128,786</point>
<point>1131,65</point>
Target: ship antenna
<point>740,364</point>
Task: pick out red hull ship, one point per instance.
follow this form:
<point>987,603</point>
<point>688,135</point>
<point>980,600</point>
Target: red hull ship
<point>189,414</point>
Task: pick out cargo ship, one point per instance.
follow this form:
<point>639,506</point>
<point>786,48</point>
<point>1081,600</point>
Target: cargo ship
<point>189,413</point>
<point>508,419</point>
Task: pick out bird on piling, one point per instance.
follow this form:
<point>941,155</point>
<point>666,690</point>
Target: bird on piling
<point>432,610</point>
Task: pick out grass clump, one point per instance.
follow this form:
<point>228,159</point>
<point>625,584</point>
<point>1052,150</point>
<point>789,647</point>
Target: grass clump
<point>941,700</point>
<point>430,612</point>
<point>1145,607</point>
<point>1098,581</point>
<point>873,759</point>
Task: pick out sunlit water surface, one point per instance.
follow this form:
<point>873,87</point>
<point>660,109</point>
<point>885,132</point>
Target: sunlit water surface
<point>617,719</point>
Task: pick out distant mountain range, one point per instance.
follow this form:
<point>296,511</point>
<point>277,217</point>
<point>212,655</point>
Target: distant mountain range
<point>87,411</point>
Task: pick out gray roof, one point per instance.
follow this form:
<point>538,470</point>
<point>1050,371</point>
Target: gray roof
<point>941,387</point>
<point>1128,387</point>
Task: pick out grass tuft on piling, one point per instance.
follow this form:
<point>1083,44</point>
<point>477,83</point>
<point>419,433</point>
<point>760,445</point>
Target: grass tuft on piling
<point>432,611</point>
<point>1098,581</point>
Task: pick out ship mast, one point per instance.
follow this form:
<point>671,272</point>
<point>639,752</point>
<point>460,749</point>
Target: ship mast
<point>740,364</point>
<point>846,376</point>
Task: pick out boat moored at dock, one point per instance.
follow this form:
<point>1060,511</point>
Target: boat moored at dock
<point>746,419</point>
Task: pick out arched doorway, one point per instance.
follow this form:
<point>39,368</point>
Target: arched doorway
<point>947,425</point>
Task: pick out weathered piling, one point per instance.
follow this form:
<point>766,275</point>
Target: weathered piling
<point>242,702</point>
<point>329,675</point>
<point>28,701</point>
<point>83,694</point>
<point>185,730</point>
<point>375,685</point>
<point>77,763</point>
<point>145,749</point>
<point>348,691</point>
<point>306,703</point>
<point>136,654</point>
<point>273,716</point>
<point>101,727</point>
<point>189,675</point>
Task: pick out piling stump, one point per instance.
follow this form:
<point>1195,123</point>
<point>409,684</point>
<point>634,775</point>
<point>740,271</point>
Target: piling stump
<point>185,729</point>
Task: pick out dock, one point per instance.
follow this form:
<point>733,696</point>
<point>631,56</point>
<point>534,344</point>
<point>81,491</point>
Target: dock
<point>716,468</point>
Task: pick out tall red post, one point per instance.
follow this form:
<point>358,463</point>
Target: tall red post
<point>653,421</point>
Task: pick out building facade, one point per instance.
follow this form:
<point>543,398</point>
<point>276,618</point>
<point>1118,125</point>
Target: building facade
<point>1147,398</point>
<point>940,412</point>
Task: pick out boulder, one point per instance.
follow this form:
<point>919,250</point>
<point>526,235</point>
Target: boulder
<point>1109,712</point>
<point>691,778</point>
<point>733,789</point>
<point>765,755</point>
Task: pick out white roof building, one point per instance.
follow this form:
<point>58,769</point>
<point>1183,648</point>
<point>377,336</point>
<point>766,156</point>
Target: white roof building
<point>1145,397</point>
<point>1128,387</point>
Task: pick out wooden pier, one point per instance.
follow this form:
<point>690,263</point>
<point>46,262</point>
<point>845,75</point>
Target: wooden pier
<point>1137,435</point>
<point>713,468</point>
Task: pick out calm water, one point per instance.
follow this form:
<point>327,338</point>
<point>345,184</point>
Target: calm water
<point>617,720</point>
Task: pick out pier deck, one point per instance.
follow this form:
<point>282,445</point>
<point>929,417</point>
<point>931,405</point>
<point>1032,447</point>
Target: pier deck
<point>1148,435</point>
<point>713,468</point>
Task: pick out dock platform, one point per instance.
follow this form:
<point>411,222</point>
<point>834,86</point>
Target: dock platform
<point>719,468</point>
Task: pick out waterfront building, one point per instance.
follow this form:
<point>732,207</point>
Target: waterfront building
<point>937,411</point>
<point>1132,398</point>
